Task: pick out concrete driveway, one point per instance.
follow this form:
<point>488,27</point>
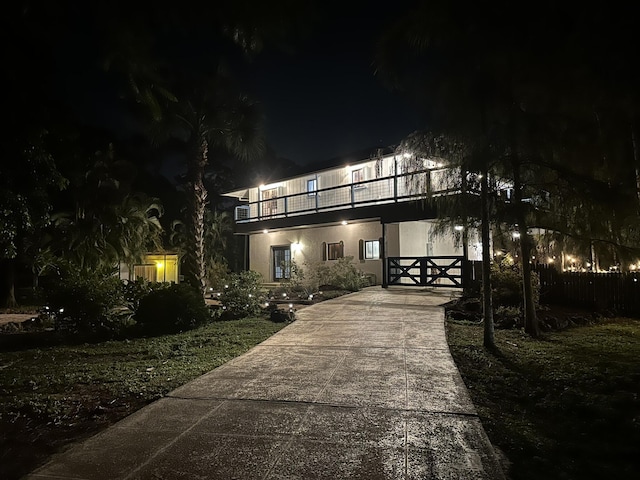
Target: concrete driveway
<point>359,387</point>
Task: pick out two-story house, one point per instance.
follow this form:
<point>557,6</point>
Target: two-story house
<point>371,209</point>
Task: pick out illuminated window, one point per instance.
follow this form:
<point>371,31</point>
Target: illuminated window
<point>335,250</point>
<point>372,249</point>
<point>312,187</point>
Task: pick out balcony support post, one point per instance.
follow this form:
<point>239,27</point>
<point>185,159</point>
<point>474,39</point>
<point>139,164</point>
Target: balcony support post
<point>395,179</point>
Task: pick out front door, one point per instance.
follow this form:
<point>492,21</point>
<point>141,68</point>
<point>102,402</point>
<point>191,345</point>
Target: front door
<point>281,263</point>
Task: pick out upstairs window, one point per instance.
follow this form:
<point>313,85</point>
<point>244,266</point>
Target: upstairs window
<point>312,187</point>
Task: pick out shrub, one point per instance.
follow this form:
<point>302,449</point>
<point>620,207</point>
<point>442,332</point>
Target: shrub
<point>86,302</point>
<point>172,309</point>
<point>342,274</point>
<point>302,281</point>
<point>134,290</point>
<point>506,279</point>
<point>243,294</point>
<point>217,275</point>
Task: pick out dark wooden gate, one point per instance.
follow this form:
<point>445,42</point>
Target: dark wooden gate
<point>439,271</point>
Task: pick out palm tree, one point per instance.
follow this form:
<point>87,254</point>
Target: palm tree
<point>218,122</point>
<point>108,223</point>
<point>212,115</point>
<point>123,232</point>
<point>219,227</point>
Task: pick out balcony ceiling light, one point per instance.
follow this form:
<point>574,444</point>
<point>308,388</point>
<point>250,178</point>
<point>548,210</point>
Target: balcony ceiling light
<point>270,186</point>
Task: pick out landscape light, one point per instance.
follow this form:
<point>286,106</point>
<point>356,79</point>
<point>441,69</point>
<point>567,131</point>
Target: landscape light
<point>265,231</point>
<point>458,228</point>
<point>344,222</point>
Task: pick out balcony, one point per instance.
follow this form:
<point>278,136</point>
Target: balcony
<point>378,191</point>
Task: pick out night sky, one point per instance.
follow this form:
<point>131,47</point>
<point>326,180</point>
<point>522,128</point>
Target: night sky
<point>320,96</point>
<point>324,101</point>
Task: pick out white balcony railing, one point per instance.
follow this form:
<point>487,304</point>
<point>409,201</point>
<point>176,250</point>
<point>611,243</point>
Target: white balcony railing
<point>378,191</point>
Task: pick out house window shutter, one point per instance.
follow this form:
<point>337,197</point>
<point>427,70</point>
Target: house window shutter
<point>361,249</point>
<point>324,251</point>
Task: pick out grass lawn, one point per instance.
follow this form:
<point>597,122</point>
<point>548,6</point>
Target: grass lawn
<point>566,406</point>
<point>52,396</point>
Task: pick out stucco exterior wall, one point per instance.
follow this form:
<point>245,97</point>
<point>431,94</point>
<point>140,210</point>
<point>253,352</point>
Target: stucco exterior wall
<point>414,237</point>
<point>393,240</point>
<point>405,239</point>
<point>307,243</point>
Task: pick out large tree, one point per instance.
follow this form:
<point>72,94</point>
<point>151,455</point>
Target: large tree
<point>215,117</point>
<point>218,121</point>
<point>444,57</point>
<point>515,85</point>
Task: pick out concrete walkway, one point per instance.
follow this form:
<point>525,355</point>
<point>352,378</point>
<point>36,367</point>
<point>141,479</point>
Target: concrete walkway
<point>359,387</point>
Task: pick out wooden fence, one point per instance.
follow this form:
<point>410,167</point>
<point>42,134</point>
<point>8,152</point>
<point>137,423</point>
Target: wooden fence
<point>434,271</point>
<point>617,292</point>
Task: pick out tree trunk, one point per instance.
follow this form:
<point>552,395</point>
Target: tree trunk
<point>487,301</point>
<point>8,282</point>
<point>466,264</point>
<point>196,270</point>
<point>530,319</point>
<point>636,162</point>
